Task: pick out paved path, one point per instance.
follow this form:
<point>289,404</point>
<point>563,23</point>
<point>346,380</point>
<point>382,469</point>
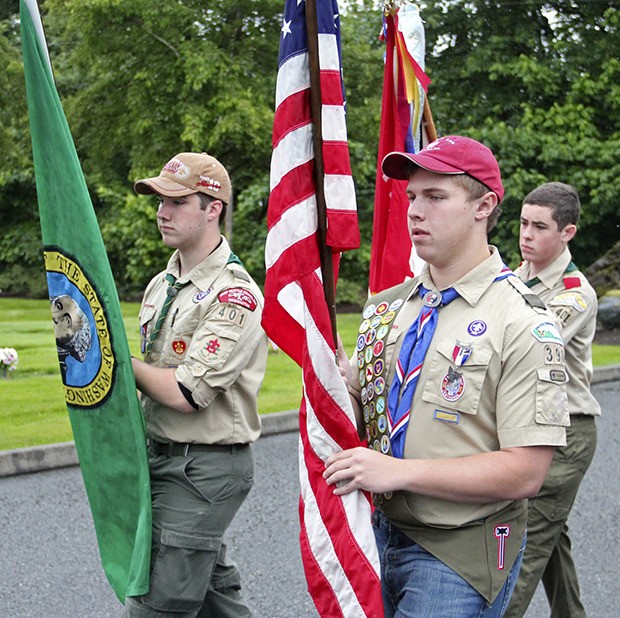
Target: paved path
<point>49,564</point>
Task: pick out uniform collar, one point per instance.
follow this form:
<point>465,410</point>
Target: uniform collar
<point>474,284</point>
<point>551,275</point>
<point>205,273</point>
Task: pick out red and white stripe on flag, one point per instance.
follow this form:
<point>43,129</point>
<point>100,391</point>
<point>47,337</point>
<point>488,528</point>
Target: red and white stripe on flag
<point>337,542</point>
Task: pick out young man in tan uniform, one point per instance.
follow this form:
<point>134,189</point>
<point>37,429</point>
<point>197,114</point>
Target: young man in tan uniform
<point>453,456</point>
<point>205,356</point>
<point>548,223</point>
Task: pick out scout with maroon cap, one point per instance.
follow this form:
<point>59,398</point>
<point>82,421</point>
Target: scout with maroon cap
<point>452,391</point>
<point>449,155</point>
<point>204,360</point>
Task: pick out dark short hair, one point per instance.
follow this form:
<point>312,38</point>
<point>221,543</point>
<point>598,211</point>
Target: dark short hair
<point>205,200</point>
<point>561,198</point>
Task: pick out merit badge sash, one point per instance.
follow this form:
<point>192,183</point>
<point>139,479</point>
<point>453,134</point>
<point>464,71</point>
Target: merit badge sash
<point>377,321</point>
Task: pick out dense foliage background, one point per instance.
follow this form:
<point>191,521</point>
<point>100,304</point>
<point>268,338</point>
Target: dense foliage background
<point>141,80</point>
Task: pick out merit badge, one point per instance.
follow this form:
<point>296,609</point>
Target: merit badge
<point>382,332</point>
<point>373,429</point>
<point>385,444</point>
<point>366,414</point>
<point>379,385</point>
<point>179,346</point>
<point>378,366</point>
<point>373,409</point>
<point>461,353</point>
<point>378,348</point>
<point>368,435</point>
<point>376,446</point>
<point>396,304</point>
<point>369,373</point>
<point>371,391</point>
<point>361,342</point>
<point>370,336</point>
<point>360,359</point>
<point>374,322</point>
<point>452,385</point>
<point>368,355</point>
<point>382,423</point>
<point>380,405</point>
<point>368,311</point>
<point>362,377</point>
<point>477,328</point>
<point>388,317</point>
<point>364,326</point>
<point>381,308</point>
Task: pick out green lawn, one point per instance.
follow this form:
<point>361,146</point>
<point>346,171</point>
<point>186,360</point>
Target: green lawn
<point>32,407</point>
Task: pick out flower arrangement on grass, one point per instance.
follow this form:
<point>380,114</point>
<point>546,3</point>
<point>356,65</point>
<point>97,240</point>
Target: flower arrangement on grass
<point>8,361</point>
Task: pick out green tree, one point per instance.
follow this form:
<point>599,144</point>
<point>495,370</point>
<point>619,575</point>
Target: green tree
<point>141,80</point>
<point>535,81</point>
<point>21,260</point>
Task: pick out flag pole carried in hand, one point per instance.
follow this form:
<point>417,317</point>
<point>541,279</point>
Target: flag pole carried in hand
<point>316,106</point>
<point>338,548</point>
<point>99,385</point>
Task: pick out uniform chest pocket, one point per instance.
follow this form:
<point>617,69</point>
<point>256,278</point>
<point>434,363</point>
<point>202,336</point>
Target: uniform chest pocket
<point>452,387</point>
<point>184,322</point>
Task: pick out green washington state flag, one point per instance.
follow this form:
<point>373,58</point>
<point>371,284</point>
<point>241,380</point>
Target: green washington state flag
<point>95,362</point>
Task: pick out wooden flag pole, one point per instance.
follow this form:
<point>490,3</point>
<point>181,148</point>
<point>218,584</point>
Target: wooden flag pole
<point>428,122</point>
<point>316,104</point>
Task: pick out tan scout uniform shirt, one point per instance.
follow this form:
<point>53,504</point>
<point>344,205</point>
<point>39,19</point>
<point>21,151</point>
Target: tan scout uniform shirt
<point>510,393</point>
<point>212,335</point>
<point>573,300</point>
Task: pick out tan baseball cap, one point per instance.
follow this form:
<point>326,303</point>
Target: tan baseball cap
<point>186,173</point>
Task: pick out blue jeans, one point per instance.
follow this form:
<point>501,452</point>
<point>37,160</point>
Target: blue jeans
<point>415,584</point>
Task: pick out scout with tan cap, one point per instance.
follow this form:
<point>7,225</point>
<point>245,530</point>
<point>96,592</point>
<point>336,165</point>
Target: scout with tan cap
<point>186,173</point>
<point>204,360</point>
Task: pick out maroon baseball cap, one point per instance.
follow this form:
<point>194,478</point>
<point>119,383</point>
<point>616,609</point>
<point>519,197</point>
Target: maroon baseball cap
<point>452,154</point>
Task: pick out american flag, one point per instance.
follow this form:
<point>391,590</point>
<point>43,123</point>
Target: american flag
<point>393,257</point>
<point>337,543</point>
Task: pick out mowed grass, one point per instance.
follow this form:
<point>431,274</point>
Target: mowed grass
<point>32,406</point>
